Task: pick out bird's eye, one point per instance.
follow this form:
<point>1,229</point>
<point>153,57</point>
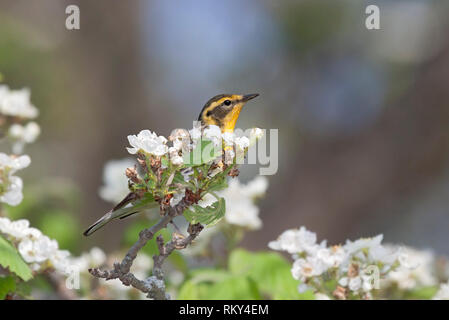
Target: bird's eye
<point>208,113</point>
<point>227,102</point>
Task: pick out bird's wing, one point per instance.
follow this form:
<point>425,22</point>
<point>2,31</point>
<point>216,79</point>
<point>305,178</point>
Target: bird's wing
<point>122,210</point>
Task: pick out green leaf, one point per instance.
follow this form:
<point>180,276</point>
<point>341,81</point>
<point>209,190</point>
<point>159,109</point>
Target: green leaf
<point>218,184</point>
<point>218,285</point>
<point>209,215</point>
<point>7,285</point>
<point>423,293</point>
<point>234,288</point>
<point>270,270</point>
<point>208,275</point>
<point>204,152</point>
<point>11,259</point>
<point>192,291</point>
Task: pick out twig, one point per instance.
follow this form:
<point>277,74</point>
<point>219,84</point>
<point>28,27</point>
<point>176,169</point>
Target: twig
<point>153,286</point>
<point>178,242</point>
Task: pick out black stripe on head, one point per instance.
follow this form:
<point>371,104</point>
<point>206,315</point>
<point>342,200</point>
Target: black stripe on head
<point>212,100</point>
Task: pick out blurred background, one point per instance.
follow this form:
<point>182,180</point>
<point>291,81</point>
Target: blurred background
<point>363,115</point>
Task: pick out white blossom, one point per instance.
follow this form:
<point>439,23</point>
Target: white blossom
<point>180,139</point>
<point>443,292</point>
<point>213,133</point>
<point>149,142</point>
<point>295,241</point>
<point>16,229</point>
<point>175,158</point>
<point>242,142</point>
<point>38,250</point>
<point>416,269</point>
<point>228,138</point>
<point>115,182</point>
<point>16,103</point>
<point>11,186</point>
<point>195,136</point>
<point>23,134</point>
<point>355,284</point>
<point>255,134</point>
<point>352,265</point>
<point>240,207</point>
<point>321,296</point>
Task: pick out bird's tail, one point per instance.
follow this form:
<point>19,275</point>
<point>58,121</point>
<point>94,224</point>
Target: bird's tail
<point>111,215</point>
<point>121,211</point>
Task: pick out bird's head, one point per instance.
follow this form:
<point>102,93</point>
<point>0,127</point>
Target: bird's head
<point>223,110</point>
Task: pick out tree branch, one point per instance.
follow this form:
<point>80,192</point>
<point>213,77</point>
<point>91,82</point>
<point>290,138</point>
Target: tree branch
<point>153,286</point>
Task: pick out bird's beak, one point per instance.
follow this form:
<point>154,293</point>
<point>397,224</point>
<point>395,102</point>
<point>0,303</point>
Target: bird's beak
<point>248,97</point>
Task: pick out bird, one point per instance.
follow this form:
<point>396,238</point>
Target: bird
<point>222,110</point>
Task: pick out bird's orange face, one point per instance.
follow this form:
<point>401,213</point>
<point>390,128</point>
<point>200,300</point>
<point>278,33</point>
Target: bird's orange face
<point>223,110</point>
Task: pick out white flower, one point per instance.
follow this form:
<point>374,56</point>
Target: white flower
<point>321,296</point>
<point>13,196</point>
<point>195,136</point>
<point>355,284</point>
<point>149,142</point>
<point>331,257</point>
<point>213,133</point>
<point>443,292</point>
<point>240,207</point>
<point>60,260</point>
<point>93,258</point>
<point>38,250</point>
<point>32,233</point>
<point>416,269</point>
<point>343,281</point>
<point>35,248</point>
<point>175,158</point>
<point>255,134</point>
<point>180,139</point>
<point>228,138</point>
<point>364,243</point>
<point>26,250</point>
<point>367,283</point>
<point>115,186</point>
<point>384,254</point>
<point>97,256</point>
<point>23,134</point>
<point>307,268</point>
<point>295,241</point>
<point>229,155</point>
<point>16,229</point>
<point>16,103</point>
<point>242,142</point>
<point>12,185</point>
<point>14,163</point>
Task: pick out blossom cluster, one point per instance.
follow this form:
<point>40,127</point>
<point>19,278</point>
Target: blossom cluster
<point>355,267</point>
<point>189,165</point>
<point>37,249</point>
<point>240,207</point>
<point>15,110</point>
<point>182,141</point>
<point>11,185</point>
